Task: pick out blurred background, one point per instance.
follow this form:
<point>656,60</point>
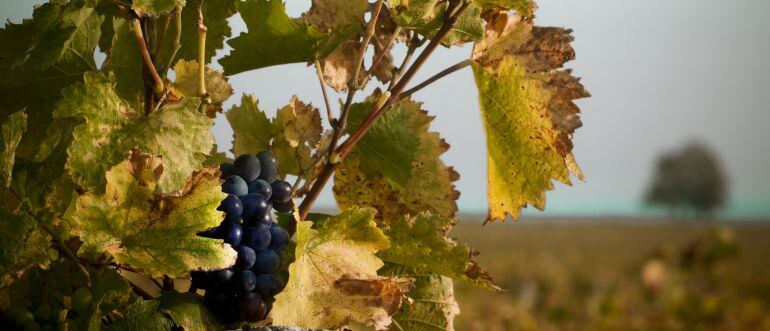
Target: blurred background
<point>668,229</point>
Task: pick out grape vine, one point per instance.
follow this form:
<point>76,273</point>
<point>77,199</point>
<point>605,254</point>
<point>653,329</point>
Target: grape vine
<point>120,212</point>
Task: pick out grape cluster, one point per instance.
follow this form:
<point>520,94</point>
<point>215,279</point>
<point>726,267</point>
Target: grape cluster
<point>245,292</point>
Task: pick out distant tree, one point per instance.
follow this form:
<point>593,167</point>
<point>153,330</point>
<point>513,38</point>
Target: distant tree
<point>690,182</point>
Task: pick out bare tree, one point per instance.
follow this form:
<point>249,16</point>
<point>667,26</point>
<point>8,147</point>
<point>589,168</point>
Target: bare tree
<point>690,182</point>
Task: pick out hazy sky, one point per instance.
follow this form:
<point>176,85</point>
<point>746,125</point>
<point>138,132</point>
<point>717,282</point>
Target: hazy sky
<point>661,73</point>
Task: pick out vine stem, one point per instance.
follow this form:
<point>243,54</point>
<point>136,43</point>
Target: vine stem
<point>322,81</point>
<point>353,83</point>
<point>452,13</point>
<point>460,65</point>
<point>202,30</point>
<point>136,26</point>
<point>177,43</point>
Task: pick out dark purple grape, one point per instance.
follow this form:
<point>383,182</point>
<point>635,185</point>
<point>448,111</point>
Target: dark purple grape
<point>262,187</point>
<point>232,206</point>
<point>255,206</point>
<point>256,236</point>
<point>235,185</point>
<point>226,169</point>
<point>246,257</point>
<point>222,305</point>
<point>267,261</point>
<point>268,285</point>
<point>251,308</point>
<point>222,278</point>
<point>284,207</point>
<point>281,191</point>
<point>231,232</point>
<point>247,166</point>
<point>269,164</point>
<point>246,280</point>
<point>279,237</point>
<point>265,219</point>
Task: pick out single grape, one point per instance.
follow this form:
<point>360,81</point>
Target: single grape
<point>267,261</point>
<point>268,285</point>
<point>254,207</point>
<point>284,207</point>
<point>231,232</point>
<point>247,166</point>
<point>226,169</point>
<point>262,187</point>
<point>221,304</point>
<point>23,317</point>
<point>269,164</point>
<point>279,237</point>
<point>81,299</point>
<point>231,205</point>
<point>246,281</point>
<point>235,185</point>
<point>267,218</point>
<point>246,257</point>
<point>256,236</point>
<point>251,308</point>
<point>281,191</point>
<point>43,312</point>
<point>222,278</point>
<point>32,326</point>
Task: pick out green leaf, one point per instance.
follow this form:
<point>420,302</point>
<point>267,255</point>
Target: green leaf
<point>267,22</point>
<point>426,17</point>
<point>36,90</point>
<point>528,114</point>
<point>10,136</point>
<point>142,315</point>
<point>134,225</point>
<point>187,311</point>
<point>186,82</point>
<point>429,186</point>
<point>123,59</point>
<point>293,135</point>
<point>421,242</point>
<point>71,29</point>
<point>252,130</point>
<point>23,245</point>
<point>110,128</point>
<point>333,280</point>
<point>433,307</point>
<point>390,147</point>
<point>154,7</point>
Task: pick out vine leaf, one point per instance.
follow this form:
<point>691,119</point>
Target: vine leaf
<point>434,305</point>
<point>328,14</point>
<point>425,17</point>
<point>122,60</point>
<point>110,127</point>
<point>523,7</point>
<point>292,135</point>
<point>527,111</point>
<point>187,311</point>
<point>134,225</point>
<point>267,22</point>
<point>217,87</point>
<point>396,167</point>
<point>23,244</point>
<point>333,280</point>
<point>10,136</point>
<point>142,315</point>
<point>421,242</point>
<point>154,7</point>
<point>337,68</point>
<point>26,85</point>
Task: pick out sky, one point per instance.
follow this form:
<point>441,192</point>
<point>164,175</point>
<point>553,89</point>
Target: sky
<point>661,74</point>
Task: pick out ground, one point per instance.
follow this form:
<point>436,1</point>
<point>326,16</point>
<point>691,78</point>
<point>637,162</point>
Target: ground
<point>619,274</point>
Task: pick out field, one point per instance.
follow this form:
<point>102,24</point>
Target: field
<point>618,275</point>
